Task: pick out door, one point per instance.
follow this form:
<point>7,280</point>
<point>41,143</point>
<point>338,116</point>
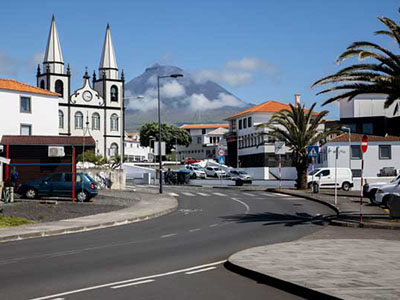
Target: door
<point>44,187</point>
<point>56,182</point>
<point>326,179</point>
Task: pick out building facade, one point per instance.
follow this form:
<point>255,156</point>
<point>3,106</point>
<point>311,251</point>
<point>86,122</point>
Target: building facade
<point>97,108</point>
<point>206,139</point>
<point>133,151</point>
<point>27,110</point>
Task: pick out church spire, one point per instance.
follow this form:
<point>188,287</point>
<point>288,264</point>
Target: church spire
<point>108,62</point>
<point>53,57</point>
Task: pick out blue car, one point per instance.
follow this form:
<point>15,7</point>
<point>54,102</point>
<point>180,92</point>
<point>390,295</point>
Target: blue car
<point>60,185</point>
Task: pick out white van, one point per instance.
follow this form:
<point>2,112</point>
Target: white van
<point>325,177</point>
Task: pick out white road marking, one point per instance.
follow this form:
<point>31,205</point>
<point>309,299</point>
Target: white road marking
<point>281,195</point>
<point>219,194</point>
<point>174,194</point>
<point>213,225</point>
<point>244,204</point>
<point>188,194</point>
<point>248,194</point>
<point>168,235</point>
<point>130,280</point>
<point>58,299</point>
<point>193,230</point>
<point>133,283</point>
<point>203,194</point>
<point>201,270</point>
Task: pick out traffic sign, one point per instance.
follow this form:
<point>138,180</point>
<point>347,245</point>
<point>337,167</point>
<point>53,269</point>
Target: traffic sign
<point>221,152</point>
<point>364,143</point>
<point>313,151</point>
<point>279,148</point>
<point>221,160</point>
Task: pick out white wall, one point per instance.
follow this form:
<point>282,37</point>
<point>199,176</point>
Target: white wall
<point>43,117</point>
<point>133,148</point>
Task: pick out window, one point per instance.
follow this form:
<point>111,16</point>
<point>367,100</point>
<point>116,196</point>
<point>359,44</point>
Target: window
<point>78,120</point>
<point>25,106</point>
<point>26,129</point>
<point>95,121</point>
<point>114,122</point>
<point>240,124</point>
<point>249,122</point>
<point>114,93</point>
<point>352,127</point>
<point>56,177</point>
<point>59,87</point>
<point>325,173</point>
<point>367,128</point>
<point>199,140</point>
<point>42,84</point>
<point>385,152</point>
<point>356,152</point>
<point>114,149</point>
<point>233,124</point>
<point>244,123</point>
<point>203,131</point>
<point>60,119</point>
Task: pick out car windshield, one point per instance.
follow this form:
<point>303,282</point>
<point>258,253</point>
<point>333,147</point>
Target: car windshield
<point>313,172</point>
<point>196,168</point>
<point>396,178</point>
<point>243,173</point>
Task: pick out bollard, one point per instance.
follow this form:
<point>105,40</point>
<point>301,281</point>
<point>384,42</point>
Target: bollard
<point>11,194</point>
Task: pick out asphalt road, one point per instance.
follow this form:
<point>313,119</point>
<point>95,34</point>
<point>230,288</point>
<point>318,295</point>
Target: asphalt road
<point>178,256</point>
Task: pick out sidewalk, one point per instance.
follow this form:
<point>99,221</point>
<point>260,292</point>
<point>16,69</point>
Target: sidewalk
<point>348,208</point>
<point>143,204</point>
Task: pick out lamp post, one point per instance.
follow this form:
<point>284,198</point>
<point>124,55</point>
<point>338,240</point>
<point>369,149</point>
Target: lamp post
<point>159,124</point>
<point>348,129</point>
<point>152,138</point>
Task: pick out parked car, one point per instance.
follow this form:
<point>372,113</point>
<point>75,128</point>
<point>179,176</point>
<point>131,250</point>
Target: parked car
<point>325,178</point>
<point>191,160</point>
<point>60,185</point>
<point>240,175</point>
<point>386,192</point>
<point>369,190</point>
<point>215,172</point>
<point>197,172</point>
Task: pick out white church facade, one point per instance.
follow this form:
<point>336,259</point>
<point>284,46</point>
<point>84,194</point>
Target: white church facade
<point>97,108</point>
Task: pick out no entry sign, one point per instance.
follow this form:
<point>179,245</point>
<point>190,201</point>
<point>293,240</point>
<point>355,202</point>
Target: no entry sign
<point>364,143</point>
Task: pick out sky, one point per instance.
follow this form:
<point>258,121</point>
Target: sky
<point>257,49</point>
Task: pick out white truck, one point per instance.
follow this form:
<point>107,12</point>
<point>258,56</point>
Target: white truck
<point>325,178</point>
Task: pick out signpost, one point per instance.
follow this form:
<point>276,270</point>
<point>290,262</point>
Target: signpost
<point>221,159</point>
<point>279,150</point>
<point>312,152</point>
<point>364,148</point>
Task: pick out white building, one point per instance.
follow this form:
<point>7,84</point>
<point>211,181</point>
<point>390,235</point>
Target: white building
<point>206,139</point>
<point>382,152</point>
<point>133,151</point>
<point>98,107</point>
<point>27,110</point>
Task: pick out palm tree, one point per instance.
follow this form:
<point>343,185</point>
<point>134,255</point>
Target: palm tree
<point>298,127</point>
<point>381,75</point>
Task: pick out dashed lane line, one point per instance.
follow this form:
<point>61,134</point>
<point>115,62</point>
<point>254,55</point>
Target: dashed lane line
<point>203,194</point>
<point>219,194</point>
<point>130,280</point>
<point>168,235</point>
<point>173,194</point>
<point>194,230</point>
<point>188,194</point>
<point>281,195</point>
<point>133,283</point>
<point>248,194</point>
<point>213,225</point>
<point>201,270</point>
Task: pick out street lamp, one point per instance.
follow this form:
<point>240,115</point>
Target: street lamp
<point>348,129</point>
<point>159,123</point>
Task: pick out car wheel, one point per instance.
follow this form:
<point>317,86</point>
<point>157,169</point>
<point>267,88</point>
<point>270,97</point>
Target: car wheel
<point>346,186</point>
<point>31,193</point>
<point>194,176</point>
<point>371,197</point>
<point>385,200</point>
<point>216,175</point>
<point>82,196</point>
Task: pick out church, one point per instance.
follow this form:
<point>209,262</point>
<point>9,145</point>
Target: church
<point>97,108</point>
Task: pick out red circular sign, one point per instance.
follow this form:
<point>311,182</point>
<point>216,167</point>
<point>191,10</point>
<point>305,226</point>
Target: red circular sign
<point>364,143</point>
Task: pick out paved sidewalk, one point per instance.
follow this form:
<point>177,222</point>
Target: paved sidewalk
<point>143,204</point>
<point>348,209</point>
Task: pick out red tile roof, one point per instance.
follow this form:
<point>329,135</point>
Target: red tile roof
<point>269,106</point>
<point>355,137</point>
<point>201,126</point>
<point>13,85</point>
<point>46,140</point>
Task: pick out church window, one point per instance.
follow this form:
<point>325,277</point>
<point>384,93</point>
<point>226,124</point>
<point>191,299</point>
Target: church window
<point>78,120</point>
<point>42,84</point>
<point>114,93</point>
<point>60,119</point>
<point>114,149</point>
<point>114,122</point>
<point>95,121</point>
<point>60,87</point>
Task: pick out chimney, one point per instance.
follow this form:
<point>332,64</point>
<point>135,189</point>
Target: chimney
<point>296,100</point>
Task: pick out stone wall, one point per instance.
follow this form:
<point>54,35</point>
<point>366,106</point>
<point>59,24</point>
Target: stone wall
<point>116,178</point>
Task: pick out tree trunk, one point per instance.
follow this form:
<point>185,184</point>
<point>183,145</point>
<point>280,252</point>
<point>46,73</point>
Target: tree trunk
<point>301,177</point>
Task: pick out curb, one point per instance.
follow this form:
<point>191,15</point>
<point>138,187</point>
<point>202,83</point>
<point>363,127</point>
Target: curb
<point>76,229</point>
<point>286,286</point>
<point>343,223</point>
<point>336,209</point>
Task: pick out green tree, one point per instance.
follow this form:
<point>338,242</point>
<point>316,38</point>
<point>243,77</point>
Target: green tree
<point>90,156</point>
<point>380,75</point>
<point>168,135</point>
<point>298,128</point>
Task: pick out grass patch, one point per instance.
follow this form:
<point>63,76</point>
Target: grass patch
<point>13,221</point>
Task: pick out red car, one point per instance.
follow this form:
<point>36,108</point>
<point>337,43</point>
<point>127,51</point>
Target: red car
<point>191,160</point>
